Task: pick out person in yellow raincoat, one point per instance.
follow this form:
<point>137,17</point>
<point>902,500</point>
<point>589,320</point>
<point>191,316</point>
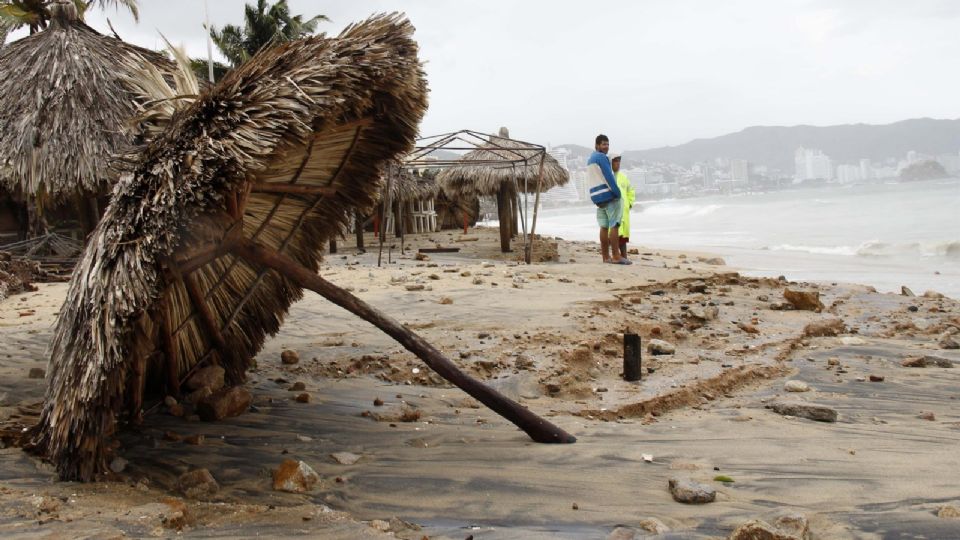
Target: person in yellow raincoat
<point>628,196</point>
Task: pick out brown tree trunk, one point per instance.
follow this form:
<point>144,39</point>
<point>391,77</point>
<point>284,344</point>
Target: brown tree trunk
<point>504,216</point>
<point>539,429</point>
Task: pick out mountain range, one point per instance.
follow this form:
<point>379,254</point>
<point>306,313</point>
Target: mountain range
<point>774,146</point>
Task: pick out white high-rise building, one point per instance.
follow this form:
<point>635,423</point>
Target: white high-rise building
<point>866,169</point>
<point>739,170</point>
<point>812,164</point>
<point>561,194</point>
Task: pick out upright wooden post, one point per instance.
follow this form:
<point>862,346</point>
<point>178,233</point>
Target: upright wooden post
<point>358,225</point>
<point>539,429</point>
<point>631,357</point>
<point>504,215</point>
<point>528,256</point>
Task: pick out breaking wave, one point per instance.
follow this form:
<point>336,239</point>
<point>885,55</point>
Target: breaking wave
<point>876,248</point>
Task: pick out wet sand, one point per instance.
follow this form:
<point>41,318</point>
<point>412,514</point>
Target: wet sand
<point>550,336</point>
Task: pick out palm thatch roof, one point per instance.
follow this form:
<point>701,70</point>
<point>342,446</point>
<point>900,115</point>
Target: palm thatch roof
<point>413,185</point>
<point>64,106</point>
<point>281,152</point>
<point>497,162</point>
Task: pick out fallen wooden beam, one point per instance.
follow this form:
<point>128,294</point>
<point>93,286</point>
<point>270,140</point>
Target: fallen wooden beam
<point>540,430</point>
<point>439,250</point>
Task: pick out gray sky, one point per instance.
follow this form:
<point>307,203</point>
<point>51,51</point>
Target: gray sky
<point>648,73</point>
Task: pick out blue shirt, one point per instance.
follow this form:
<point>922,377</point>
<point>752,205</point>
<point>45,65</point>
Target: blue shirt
<point>602,161</point>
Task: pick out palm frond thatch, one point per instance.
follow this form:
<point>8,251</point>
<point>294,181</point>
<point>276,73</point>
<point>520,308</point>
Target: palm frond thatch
<point>413,185</point>
<point>486,169</point>
<point>317,113</point>
<point>64,107</point>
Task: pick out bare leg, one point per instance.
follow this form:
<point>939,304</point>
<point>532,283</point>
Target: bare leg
<point>614,241</point>
<point>604,244</point>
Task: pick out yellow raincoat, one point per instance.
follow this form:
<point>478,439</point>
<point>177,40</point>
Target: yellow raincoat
<point>628,196</point>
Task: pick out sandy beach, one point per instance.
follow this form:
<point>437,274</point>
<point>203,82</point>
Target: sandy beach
<point>423,460</point>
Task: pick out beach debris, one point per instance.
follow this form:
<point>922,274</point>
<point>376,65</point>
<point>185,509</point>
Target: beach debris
<point>345,458</point>
<point>761,530</point>
<point>653,525</point>
<point>933,294</point>
<point>294,476</point>
<point>298,386</point>
<point>196,439</point>
<point>36,373</point>
<point>647,457</point>
<point>377,402</point>
<point>421,256</point>
<point>818,413</point>
<point>169,401</point>
<point>445,300</point>
<point>687,491</point>
<point>622,533</point>
<point>876,378</point>
<point>905,291</point>
<point>225,403</point>
<point>723,478</point>
<point>926,361</point>
<point>804,300</point>
<point>713,261</point>
<point>302,398</point>
<point>796,386</point>
<point>415,287</point>
<point>947,340</point>
<point>575,506</point>
<point>209,377</point>
<point>660,347</point>
<point>748,328</point>
<point>399,278</point>
<point>289,357</point>
<point>825,328</point>
<point>197,484</point>
<point>199,395</point>
<point>696,287</point>
<point>118,464</point>
<point>927,415</point>
<point>949,511</point>
<point>852,340</point>
<point>833,361</point>
<point>703,314</point>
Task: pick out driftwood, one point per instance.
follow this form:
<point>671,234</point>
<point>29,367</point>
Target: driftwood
<point>539,429</point>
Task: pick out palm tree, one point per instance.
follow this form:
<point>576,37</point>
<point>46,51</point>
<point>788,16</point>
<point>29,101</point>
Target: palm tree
<point>36,14</point>
<point>263,24</point>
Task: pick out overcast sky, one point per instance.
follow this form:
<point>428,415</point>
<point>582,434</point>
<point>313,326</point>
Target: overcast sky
<point>650,73</point>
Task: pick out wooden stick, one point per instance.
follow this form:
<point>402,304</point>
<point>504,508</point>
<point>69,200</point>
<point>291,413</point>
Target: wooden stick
<point>293,189</point>
<point>231,363</point>
<point>536,206</point>
<point>540,430</point>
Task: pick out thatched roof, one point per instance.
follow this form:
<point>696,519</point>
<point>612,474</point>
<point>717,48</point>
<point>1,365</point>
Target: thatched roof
<point>413,185</point>
<point>481,175</point>
<point>240,161</point>
<point>64,108</point>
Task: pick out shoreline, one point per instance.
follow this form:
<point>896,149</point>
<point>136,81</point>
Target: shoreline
<point>550,336</point>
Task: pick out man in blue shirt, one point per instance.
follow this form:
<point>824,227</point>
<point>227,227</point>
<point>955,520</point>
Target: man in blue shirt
<point>606,195</point>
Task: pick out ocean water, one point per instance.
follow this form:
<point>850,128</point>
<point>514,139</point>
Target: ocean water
<point>885,235</point>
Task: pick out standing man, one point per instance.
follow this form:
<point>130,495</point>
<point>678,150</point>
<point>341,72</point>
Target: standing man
<point>628,196</point>
<point>606,195</point>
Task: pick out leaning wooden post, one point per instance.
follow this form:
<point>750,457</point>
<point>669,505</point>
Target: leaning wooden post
<point>540,430</point>
<point>536,207</point>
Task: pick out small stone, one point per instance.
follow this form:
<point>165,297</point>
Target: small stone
<point>660,347</point>
<point>794,523</point>
<point>833,361</point>
<point>804,300</point>
<point>947,341</point>
<point>302,398</point>
<point>575,506</point>
<point>818,413</point>
<point>169,401</point>
<point>421,256</point>
<point>171,436</point>
<point>36,373</point>
<point>796,386</point>
<point>715,261</point>
<point>905,291</point>
<point>933,294</point>
<point>209,377</point>
<point>415,287</point>
<point>685,490</point>
<point>653,525</point>
<point>298,387</point>
<point>927,415</point>
<point>760,530</point>
<point>345,458</point>
<point>294,477</point>
<point>226,403</point>
<point>446,300</point>
<point>825,328</point>
<point>118,464</point>
<point>289,357</point>
<point>197,396</point>
<point>876,378</point>
<point>176,410</point>
<point>196,439</point>
<point>197,484</point>
<point>622,533</point>
<point>949,511</point>
<point>377,402</point>
<point>477,281</point>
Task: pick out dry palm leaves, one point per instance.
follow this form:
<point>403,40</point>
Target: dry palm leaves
<point>220,225</point>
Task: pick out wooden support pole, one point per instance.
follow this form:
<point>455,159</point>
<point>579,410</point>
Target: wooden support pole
<point>528,256</point>
<point>358,225</point>
<point>540,430</point>
<point>504,216</point>
<point>631,357</point>
<point>232,365</point>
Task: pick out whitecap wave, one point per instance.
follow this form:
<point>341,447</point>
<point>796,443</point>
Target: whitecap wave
<point>680,210</point>
<point>876,248</point>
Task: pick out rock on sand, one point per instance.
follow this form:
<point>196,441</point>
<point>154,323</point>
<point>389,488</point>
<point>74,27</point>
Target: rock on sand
<point>818,413</point>
<point>685,490</point>
<point>805,300</point>
<point>658,347</point>
<point>294,477</point>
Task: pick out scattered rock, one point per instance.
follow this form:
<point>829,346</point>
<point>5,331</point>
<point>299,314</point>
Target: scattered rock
<point>169,401</point>
<point>36,373</point>
<point>289,357</point>
<point>197,396</point>
<point>302,398</point>
<point>748,328</point>
<point>852,340</point>
<point>804,300</point>
<point>926,361</point>
<point>927,415</point>
<point>697,287</point>
<point>345,458</point>
<point>415,287</point>
<point>905,291</point>
<point>876,378</point>
<point>421,256</point>
<point>796,386</point>
<point>833,361</point>
<point>933,294</point>
<point>660,347</point>
<point>653,525</point>
<point>825,328</point>
<point>377,402</point>
<point>949,511</point>
<point>622,533</point>
<point>298,386</point>
<point>226,403</point>
<point>446,300</point>
<point>294,477</point>
<point>209,377</point>
<point>947,341</point>
<point>715,261</point>
<point>817,413</point>
<point>795,524</point>
<point>197,484</point>
<point>685,490</point>
<point>761,530</point>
